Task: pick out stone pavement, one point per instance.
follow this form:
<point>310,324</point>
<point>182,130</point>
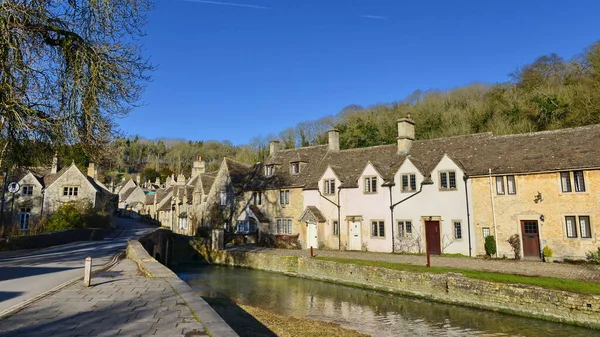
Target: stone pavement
<point>120,302</point>
<point>523,267</point>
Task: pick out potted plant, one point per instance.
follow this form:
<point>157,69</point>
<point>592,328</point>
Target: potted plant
<point>547,254</point>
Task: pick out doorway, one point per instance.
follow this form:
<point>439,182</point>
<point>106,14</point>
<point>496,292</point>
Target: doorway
<point>531,238</point>
<point>355,239</point>
<point>312,236</point>
<point>432,237</point>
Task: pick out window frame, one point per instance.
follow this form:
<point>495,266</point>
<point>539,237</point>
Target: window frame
<point>411,182</point>
<point>223,198</point>
<point>70,191</point>
<point>588,234</point>
<point>269,170</point>
<point>500,188</point>
<point>284,197</point>
<point>24,218</point>
<point>573,181</point>
<point>335,228</point>
<point>447,180</point>
<point>484,230</point>
<point>295,167</point>
<point>571,232</point>
<point>370,184</point>
<point>457,233</point>
<point>578,186</point>
<point>284,226</point>
<point>327,187</point>
<point>378,228</point>
<point>514,184</point>
<point>27,190</point>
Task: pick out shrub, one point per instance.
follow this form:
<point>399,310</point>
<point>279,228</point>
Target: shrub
<point>515,243</point>
<point>593,256</point>
<point>66,216</point>
<point>490,245</point>
<point>547,251</point>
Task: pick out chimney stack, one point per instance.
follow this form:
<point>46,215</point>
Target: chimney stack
<point>334,139</point>
<point>198,167</point>
<point>54,164</point>
<point>91,172</point>
<point>138,179</point>
<point>273,147</point>
<point>406,134</point>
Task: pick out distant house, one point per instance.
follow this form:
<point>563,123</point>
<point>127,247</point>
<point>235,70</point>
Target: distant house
<point>43,191</point>
<point>132,199</point>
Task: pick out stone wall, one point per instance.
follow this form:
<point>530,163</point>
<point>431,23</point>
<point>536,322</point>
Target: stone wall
<point>522,300</point>
<point>554,206</point>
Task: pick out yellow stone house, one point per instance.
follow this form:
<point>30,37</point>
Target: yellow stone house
<point>544,187</point>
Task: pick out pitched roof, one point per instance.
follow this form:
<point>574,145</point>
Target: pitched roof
<point>127,193</point>
<point>207,180</point>
<point>150,199</point>
<point>312,213</point>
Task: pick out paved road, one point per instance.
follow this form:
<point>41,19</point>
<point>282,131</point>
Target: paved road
<point>24,275</point>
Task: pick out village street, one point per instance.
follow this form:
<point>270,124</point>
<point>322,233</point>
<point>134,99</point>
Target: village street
<point>24,275</point>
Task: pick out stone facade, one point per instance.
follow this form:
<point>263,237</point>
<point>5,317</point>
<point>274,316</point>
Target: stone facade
<point>539,198</point>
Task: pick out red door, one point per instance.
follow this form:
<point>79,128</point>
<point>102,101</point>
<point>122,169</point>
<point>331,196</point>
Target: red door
<point>432,236</point>
<point>531,238</point>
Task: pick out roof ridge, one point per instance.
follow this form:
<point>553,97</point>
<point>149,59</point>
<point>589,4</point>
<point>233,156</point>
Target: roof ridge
<point>555,131</point>
<point>302,148</point>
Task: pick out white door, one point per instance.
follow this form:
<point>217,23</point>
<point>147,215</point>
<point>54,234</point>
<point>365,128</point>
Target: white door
<point>354,236</point>
<point>312,236</point>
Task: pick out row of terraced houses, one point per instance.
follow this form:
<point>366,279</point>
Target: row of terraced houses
<point>444,195</point>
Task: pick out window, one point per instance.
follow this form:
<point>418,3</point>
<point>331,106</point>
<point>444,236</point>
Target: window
<point>409,183</point>
<point>377,228</point>
<point>70,191</point>
<point>571,226</point>
<point>284,197</point>
<point>457,230</point>
<point>269,170</point>
<point>284,226</point>
<point>500,185</point>
<point>295,167</point>
<point>404,228</point>
<point>257,198</point>
<point>223,197</point>
<point>370,185</point>
<point>577,179</point>
<point>24,216</point>
<point>336,228</point>
<point>511,185</point>
<point>27,190</point>
<point>329,186</point>
<point>584,227</point>
<point>486,232</point>
<point>246,226</point>
<point>447,180</point>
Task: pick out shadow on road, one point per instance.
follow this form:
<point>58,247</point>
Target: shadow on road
<point>7,295</point>
<point>10,273</point>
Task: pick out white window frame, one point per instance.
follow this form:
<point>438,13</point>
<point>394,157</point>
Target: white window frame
<point>284,226</point>
<point>269,170</point>
<point>486,231</point>
<point>27,190</point>
<point>295,167</point>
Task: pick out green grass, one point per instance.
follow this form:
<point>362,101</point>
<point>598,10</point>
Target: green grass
<point>580,287</point>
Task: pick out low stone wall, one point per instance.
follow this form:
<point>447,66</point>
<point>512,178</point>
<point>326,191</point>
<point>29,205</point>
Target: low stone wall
<point>522,300</point>
<point>52,239</point>
<point>213,323</point>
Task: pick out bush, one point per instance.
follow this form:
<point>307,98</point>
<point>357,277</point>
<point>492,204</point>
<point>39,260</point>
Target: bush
<point>593,256</point>
<point>490,245</point>
<point>66,216</point>
<point>547,251</point>
<point>515,243</point>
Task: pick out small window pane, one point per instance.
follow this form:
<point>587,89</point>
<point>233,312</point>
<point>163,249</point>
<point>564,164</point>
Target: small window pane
<point>500,185</point>
<point>401,229</point>
<point>404,182</point>
<point>381,228</point>
<point>374,184</point>
<point>511,185</point>
<point>486,232</point>
<point>336,228</point>
<point>579,181</point>
<point>571,226</point>
<point>565,181</point>
<point>373,228</point>
<point>452,178</point>
<point>413,182</point>
<point>408,227</point>
<point>584,227</point>
<point>443,180</point>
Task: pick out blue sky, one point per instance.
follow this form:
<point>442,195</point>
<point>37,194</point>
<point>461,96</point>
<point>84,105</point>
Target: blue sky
<point>232,70</point>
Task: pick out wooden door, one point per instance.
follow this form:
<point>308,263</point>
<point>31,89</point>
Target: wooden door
<point>531,238</point>
<point>312,236</point>
<point>432,236</point>
<point>355,239</point>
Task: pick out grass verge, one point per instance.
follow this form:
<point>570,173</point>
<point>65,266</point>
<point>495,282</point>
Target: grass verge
<point>580,287</point>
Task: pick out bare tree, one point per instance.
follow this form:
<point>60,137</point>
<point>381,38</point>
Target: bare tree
<point>67,70</point>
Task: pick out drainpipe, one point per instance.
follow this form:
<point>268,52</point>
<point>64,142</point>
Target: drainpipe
<point>339,214</point>
<point>426,181</point>
<point>493,211</point>
<point>465,178</point>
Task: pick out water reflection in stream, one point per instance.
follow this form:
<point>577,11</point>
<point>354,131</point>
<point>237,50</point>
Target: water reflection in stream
<point>371,312</point>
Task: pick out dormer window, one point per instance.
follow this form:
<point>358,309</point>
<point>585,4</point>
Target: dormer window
<point>329,187</point>
<point>269,170</point>
<point>409,183</point>
<point>370,184</point>
<point>295,167</point>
